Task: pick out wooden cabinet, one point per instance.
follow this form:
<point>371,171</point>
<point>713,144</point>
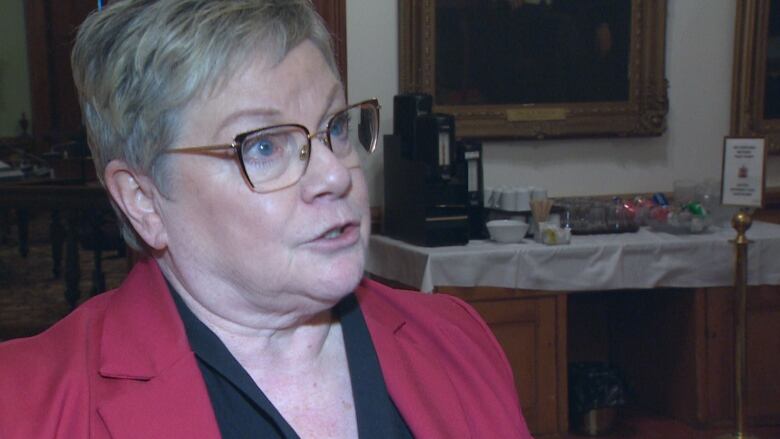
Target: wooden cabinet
<point>531,328</point>
<point>676,349</point>
<point>763,356</point>
<point>674,346</point>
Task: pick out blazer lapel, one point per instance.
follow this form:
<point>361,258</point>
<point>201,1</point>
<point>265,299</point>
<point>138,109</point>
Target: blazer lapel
<point>171,405</point>
<point>416,380</point>
<point>152,386</point>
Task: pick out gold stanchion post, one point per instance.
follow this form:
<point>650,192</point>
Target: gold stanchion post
<point>741,223</point>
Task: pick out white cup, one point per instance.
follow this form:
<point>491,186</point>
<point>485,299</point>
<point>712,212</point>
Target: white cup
<point>488,198</point>
<point>523,197</point>
<point>508,200</point>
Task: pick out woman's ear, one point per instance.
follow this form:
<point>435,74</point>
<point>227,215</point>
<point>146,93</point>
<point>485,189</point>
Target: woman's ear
<point>138,198</point>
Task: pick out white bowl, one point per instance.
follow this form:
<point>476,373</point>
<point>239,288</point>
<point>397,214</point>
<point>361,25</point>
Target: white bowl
<point>507,230</point>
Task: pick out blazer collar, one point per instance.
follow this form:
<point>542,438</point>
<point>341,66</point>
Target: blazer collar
<point>145,358</point>
<point>415,377</point>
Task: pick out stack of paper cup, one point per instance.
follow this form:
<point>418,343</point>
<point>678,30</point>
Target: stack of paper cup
<point>512,199</point>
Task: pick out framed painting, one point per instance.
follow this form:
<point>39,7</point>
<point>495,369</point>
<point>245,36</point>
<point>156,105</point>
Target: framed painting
<point>755,102</point>
<point>538,68</point>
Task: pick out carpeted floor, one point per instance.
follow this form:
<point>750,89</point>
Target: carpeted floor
<point>31,299</point>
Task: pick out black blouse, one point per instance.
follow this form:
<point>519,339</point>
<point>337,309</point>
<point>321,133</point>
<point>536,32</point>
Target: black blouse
<point>243,411</point>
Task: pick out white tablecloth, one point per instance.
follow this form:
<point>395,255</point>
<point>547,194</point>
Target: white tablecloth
<point>645,259</point>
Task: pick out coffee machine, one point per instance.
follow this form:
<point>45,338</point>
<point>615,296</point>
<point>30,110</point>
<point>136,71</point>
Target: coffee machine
<point>426,188</point>
<point>406,109</point>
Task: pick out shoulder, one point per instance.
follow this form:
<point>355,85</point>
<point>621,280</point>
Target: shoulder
<point>442,324</point>
<point>50,370</point>
<point>58,340</point>
<point>422,311</point>
<point>449,331</point>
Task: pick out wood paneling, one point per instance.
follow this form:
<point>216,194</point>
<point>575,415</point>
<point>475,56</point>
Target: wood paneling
<point>51,29</point>
<point>763,355</point>
<point>771,211</point>
<point>334,12</point>
<point>653,342</point>
<point>719,372</point>
<point>676,349</point>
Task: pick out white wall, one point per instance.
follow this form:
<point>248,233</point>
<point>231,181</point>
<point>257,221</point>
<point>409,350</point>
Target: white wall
<point>699,45</point>
<point>372,69</point>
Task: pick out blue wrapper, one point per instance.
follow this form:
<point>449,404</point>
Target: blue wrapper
<point>660,199</point>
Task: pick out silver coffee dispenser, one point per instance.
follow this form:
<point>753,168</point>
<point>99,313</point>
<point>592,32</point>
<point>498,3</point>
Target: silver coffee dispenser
<point>470,152</point>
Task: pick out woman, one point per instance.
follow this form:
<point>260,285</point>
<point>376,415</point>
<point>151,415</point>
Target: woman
<point>221,132</point>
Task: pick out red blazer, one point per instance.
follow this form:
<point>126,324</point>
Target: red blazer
<point>120,366</point>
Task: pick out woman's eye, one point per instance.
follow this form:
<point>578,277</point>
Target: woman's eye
<point>264,150</point>
<point>340,126</point>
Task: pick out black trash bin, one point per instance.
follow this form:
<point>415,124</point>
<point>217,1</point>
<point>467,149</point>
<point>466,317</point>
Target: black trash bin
<point>596,391</point>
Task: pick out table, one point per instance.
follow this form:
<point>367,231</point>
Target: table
<point>640,260</point>
<point>551,305</point>
<point>71,198</point>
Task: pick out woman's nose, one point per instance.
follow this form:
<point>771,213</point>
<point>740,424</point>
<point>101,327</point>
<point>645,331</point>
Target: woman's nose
<point>326,176</point>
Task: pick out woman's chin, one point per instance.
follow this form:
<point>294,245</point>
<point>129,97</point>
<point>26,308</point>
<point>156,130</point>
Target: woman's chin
<point>346,282</point>
<point>338,283</point>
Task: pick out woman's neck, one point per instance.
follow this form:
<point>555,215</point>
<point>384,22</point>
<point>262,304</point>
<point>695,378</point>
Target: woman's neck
<point>297,359</point>
<point>282,337</point>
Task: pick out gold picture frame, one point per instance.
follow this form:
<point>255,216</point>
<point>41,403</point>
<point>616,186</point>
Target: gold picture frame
<point>748,99</point>
<point>643,113</point>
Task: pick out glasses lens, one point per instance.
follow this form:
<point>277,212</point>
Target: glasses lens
<point>353,133</point>
<point>272,157</point>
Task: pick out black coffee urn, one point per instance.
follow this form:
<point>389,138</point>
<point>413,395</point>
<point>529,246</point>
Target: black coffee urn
<point>426,188</point>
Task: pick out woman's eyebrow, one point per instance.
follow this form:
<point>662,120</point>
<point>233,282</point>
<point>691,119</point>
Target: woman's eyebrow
<point>247,113</point>
<point>333,94</point>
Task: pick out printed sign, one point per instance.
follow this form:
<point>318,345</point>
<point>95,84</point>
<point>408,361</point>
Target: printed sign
<point>743,172</point>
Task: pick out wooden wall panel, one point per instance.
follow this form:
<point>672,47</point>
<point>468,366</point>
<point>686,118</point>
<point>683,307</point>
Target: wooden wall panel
<point>334,12</point>
<point>719,377</point>
<point>763,356</point>
<point>51,29</point>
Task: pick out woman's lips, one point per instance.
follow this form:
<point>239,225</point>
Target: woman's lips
<point>338,237</point>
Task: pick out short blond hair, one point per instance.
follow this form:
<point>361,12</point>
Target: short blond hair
<point>137,64</point>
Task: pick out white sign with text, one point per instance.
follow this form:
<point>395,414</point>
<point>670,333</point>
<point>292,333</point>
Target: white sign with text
<point>743,171</point>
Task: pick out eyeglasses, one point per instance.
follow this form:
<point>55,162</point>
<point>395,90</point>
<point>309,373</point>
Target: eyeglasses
<point>276,157</point>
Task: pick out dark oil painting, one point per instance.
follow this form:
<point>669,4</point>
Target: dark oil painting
<point>772,84</point>
<point>532,51</point>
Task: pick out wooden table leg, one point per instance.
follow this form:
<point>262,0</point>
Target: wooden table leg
<point>72,269</point>
<point>57,236</point>
<point>5,226</point>
<point>23,222</point>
